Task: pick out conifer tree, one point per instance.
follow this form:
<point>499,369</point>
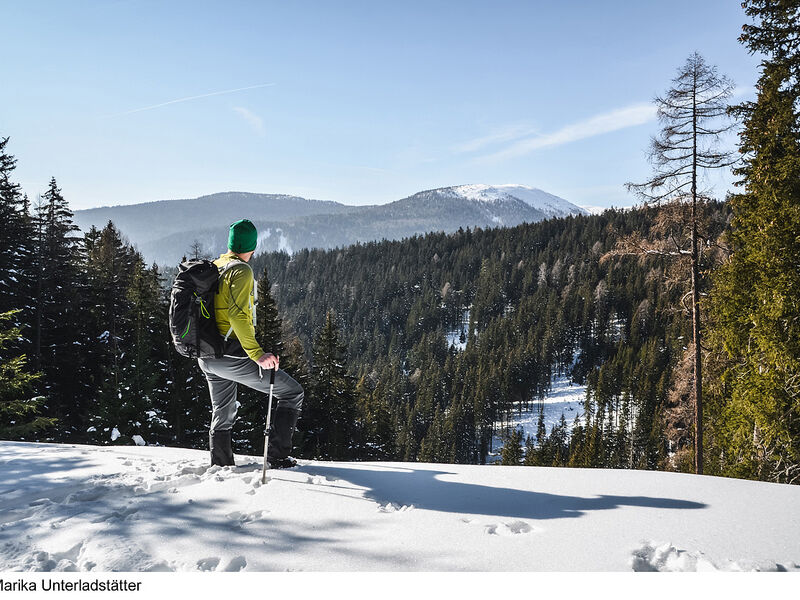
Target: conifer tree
<point>755,297</point>
<point>511,454</point>
<point>55,334</point>
<point>145,371</point>
<point>19,408</point>
<point>328,419</point>
<point>269,324</point>
<point>16,240</point>
<point>110,265</point>
<point>692,113</point>
<point>376,425</point>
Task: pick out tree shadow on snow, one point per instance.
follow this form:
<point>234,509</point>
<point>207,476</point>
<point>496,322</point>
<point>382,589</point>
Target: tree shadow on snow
<point>424,489</point>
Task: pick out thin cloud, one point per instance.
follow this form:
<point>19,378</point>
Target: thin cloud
<point>622,118</point>
<point>505,134</point>
<point>256,122</point>
<point>189,98</point>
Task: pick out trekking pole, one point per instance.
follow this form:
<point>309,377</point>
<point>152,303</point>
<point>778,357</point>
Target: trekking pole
<point>266,430</point>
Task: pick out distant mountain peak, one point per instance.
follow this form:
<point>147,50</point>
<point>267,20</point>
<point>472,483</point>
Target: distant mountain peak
<point>549,204</point>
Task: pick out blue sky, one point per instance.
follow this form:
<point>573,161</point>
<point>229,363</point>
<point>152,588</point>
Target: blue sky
<point>359,102</point>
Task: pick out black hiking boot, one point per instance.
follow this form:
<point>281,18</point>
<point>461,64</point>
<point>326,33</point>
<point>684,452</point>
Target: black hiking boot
<point>280,438</point>
<point>221,451</point>
<point>281,463</point>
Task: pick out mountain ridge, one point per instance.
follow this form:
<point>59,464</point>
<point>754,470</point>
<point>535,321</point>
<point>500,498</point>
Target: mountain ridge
<point>164,230</point>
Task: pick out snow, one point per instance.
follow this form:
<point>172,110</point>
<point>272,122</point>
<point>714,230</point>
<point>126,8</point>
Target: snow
<point>138,440</point>
<point>454,340</point>
<point>283,243</point>
<point>548,203</point>
<point>115,434</point>
<point>564,398</point>
<point>454,336</point>
<point>594,210</point>
<point>149,508</point>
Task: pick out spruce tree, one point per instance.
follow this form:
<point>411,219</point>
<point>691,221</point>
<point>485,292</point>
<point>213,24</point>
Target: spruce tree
<point>109,270</point>
<point>376,425</point>
<point>328,419</point>
<point>268,320</point>
<point>511,454</point>
<point>19,407</point>
<point>16,241</point>
<point>146,389</point>
<point>56,335</point>
<point>756,297</point>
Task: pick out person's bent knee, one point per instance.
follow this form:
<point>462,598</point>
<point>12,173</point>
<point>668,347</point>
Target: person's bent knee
<point>293,400</point>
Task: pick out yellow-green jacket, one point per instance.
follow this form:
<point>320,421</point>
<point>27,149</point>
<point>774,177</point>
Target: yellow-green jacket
<point>235,304</point>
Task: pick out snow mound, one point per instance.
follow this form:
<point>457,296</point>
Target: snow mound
<point>150,508</point>
<point>666,557</point>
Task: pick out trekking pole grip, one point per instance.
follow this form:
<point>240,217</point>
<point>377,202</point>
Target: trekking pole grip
<point>272,376</point>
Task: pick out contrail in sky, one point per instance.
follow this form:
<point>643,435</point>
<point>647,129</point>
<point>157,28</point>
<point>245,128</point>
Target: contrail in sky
<point>136,110</point>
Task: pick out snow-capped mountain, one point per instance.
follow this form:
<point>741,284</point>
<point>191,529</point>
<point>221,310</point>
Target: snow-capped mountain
<point>164,231</point>
<point>551,205</point>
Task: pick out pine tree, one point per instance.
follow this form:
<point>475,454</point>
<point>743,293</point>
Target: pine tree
<point>109,270</point>
<point>19,409</point>
<point>376,425</point>
<point>756,296</point>
<point>268,321</point>
<point>16,241</point>
<point>56,310</point>
<point>511,454</point>
<point>145,392</point>
<point>329,417</point>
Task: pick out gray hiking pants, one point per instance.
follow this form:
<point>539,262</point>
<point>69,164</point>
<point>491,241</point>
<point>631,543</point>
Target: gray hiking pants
<point>223,374</point>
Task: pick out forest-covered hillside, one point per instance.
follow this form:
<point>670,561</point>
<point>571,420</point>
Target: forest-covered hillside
<point>365,329</point>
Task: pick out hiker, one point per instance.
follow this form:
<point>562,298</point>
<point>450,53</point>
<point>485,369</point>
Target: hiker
<point>243,360</point>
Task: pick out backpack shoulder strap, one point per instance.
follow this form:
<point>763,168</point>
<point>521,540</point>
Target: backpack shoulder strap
<point>233,263</point>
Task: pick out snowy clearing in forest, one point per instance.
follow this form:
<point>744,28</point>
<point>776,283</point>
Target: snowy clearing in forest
<point>565,397</point>
<point>133,508</point>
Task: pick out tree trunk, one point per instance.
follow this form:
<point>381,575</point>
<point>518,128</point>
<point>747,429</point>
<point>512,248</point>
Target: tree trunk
<point>698,379</point>
<point>37,330</point>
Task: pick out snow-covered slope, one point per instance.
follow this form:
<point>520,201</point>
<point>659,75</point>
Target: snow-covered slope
<point>68,507</point>
<point>550,205</point>
<point>565,398</point>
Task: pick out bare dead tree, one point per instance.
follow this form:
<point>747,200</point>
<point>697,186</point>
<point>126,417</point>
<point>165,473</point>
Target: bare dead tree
<point>693,115</point>
<point>196,250</point>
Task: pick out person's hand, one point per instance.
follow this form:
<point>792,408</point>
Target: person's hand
<point>268,361</point>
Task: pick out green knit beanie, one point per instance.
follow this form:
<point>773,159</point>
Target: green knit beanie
<point>242,236</point>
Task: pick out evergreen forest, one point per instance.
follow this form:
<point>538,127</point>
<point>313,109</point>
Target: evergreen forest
<point>423,349</point>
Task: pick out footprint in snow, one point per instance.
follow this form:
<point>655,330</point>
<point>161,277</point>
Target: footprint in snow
<point>125,514</point>
<point>510,528</point>
<point>192,470</point>
<point>87,495</point>
<point>237,563</point>
<point>393,507</point>
<point>208,564</point>
<point>318,479</point>
<point>242,518</point>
